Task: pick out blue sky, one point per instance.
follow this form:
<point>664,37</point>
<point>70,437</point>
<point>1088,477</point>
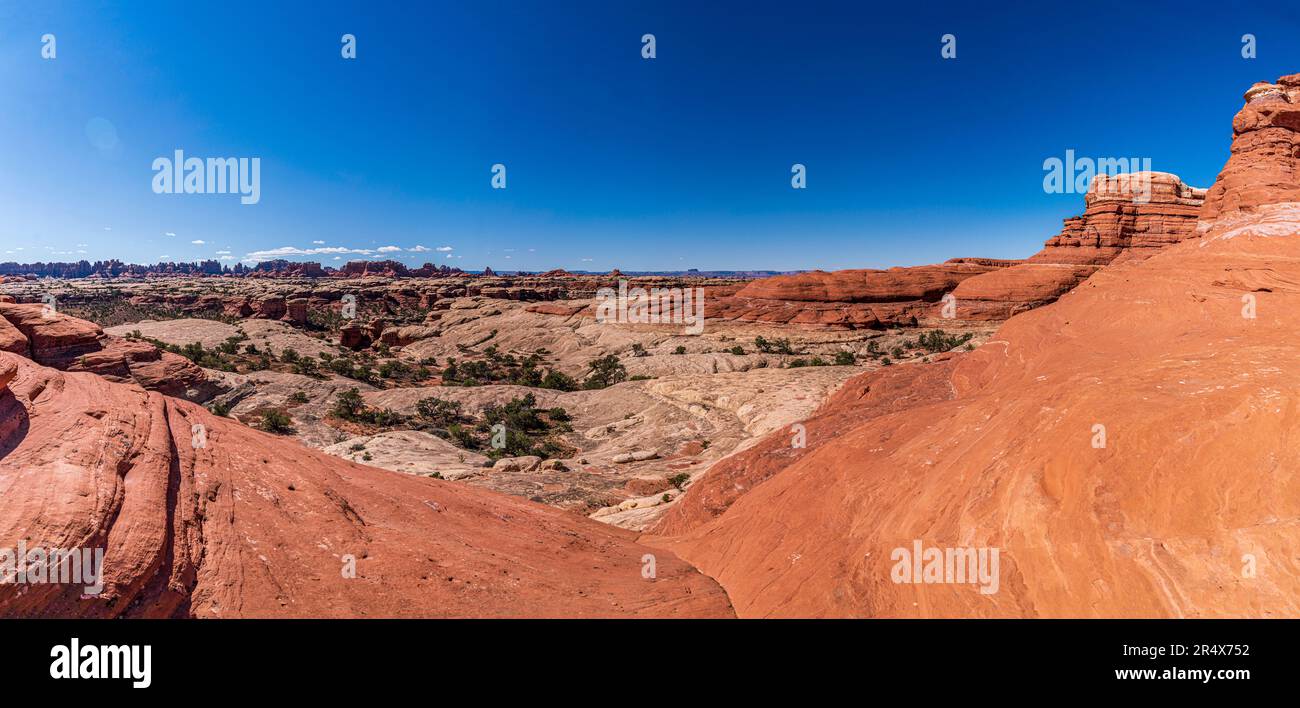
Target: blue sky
<point>613,160</point>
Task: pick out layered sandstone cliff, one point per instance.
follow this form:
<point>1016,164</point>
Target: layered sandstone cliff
<point>1126,217</point>
<point>849,299</point>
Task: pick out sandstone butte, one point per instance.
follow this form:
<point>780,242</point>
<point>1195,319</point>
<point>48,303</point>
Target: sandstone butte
<point>1113,228</point>
<point>246,524</point>
<point>995,448</point>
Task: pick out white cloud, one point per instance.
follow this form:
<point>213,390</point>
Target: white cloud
<point>198,242</point>
<point>223,253</point>
<point>283,251</point>
<point>444,249</point>
<point>388,249</point>
<point>418,249</point>
<point>319,243</point>
<point>170,233</point>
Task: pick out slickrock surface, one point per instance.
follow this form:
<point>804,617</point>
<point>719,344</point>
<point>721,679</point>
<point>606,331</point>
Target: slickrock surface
<point>1190,488</point>
<point>71,344</point>
<point>249,525</point>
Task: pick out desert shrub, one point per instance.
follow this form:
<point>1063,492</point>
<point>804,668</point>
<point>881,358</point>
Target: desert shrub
<point>776,346</point>
<point>278,422</point>
<point>603,372</point>
<point>437,412</point>
<point>844,358</point>
<point>940,341</point>
<point>348,404</point>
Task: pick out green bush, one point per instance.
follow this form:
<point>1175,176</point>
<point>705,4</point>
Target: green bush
<point>277,422</point>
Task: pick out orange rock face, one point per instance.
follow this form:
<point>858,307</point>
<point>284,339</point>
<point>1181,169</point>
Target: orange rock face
<point>202,517</point>
<point>71,344</point>
<point>1126,449</point>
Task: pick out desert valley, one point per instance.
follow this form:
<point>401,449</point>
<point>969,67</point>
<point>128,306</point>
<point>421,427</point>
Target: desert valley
<point>1112,412</point>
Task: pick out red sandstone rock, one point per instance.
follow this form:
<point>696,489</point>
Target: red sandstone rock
<point>11,338</point>
<point>246,524</point>
<point>237,307</point>
<point>848,299</point>
<point>269,308</point>
<point>1155,521</point>
<point>1126,217</point>
<point>1263,172</point>
<point>354,336</point>
<point>296,311</point>
<point>71,344</point>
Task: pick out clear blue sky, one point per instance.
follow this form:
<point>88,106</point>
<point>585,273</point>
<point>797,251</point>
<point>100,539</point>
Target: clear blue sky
<point>613,161</point>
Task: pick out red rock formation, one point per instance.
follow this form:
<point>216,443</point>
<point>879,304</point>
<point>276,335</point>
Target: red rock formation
<point>296,311</point>
<point>1126,217</point>
<point>70,344</point>
<point>848,299</point>
<point>354,336</point>
<point>225,521</point>
<point>11,338</point>
<point>1125,448</point>
<point>386,269</point>
<point>271,307</point>
<point>237,307</point>
<point>1260,184</point>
